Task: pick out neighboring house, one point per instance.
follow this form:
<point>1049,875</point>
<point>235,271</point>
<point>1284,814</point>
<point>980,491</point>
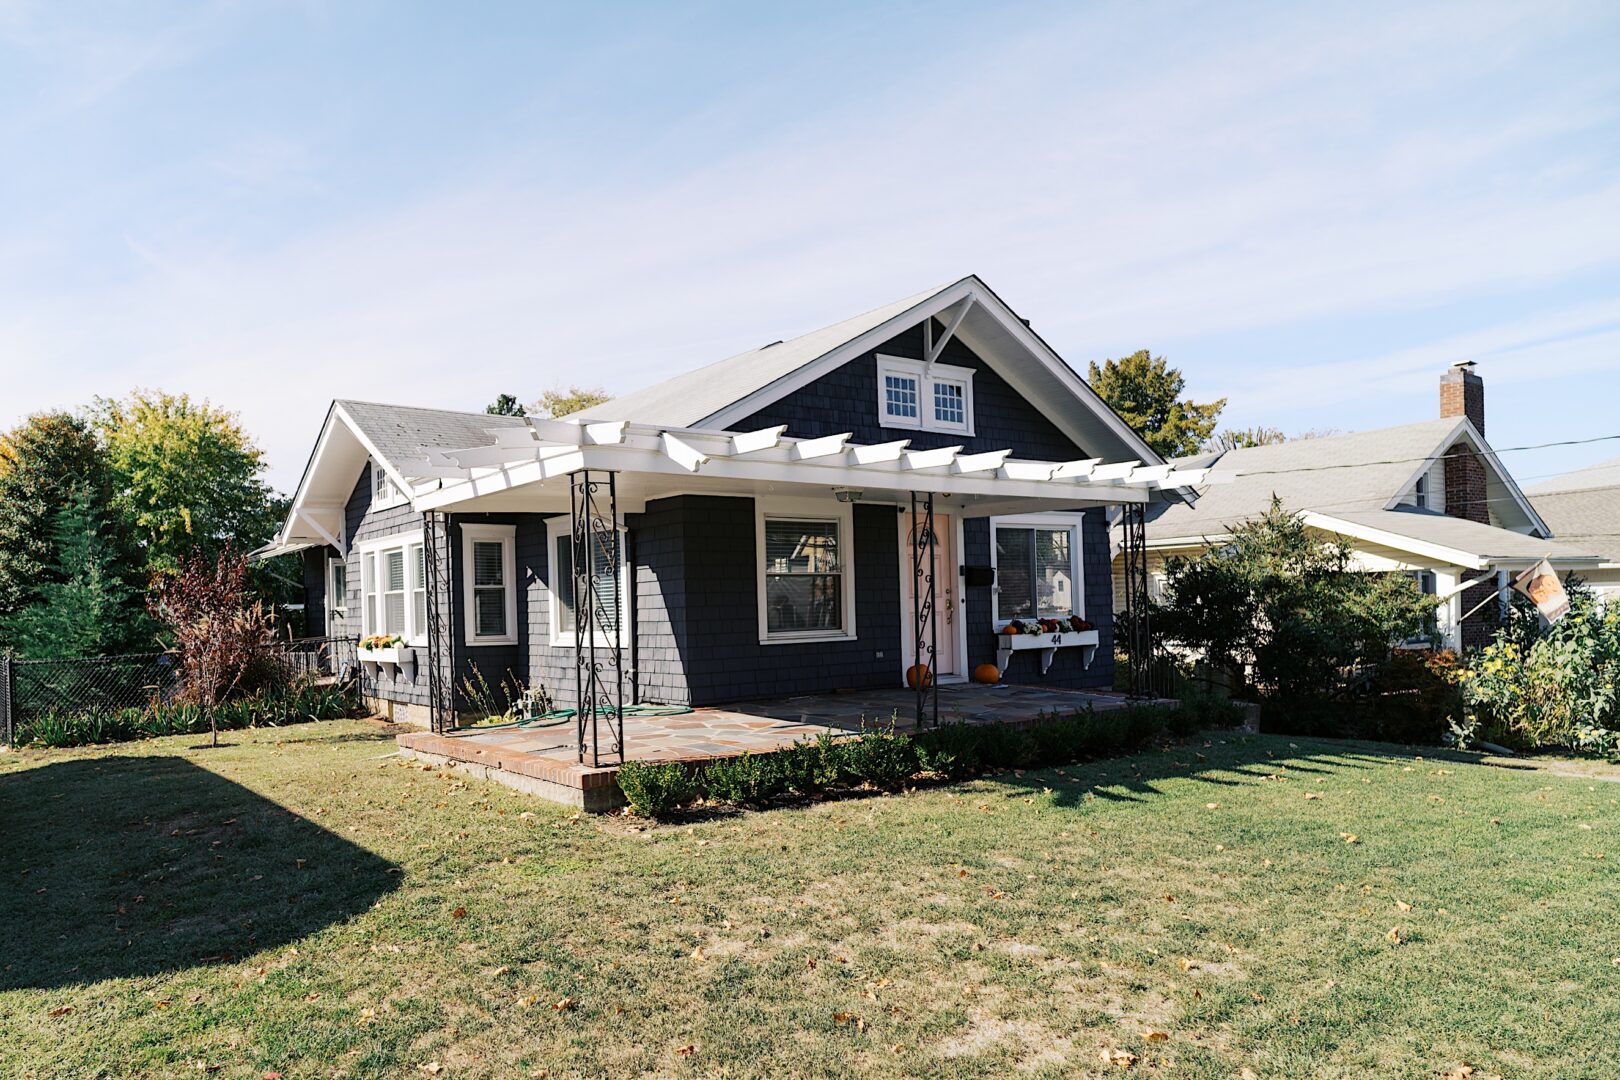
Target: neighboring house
<point>1430,499</point>
<point>1583,510</point>
<point>763,512</point>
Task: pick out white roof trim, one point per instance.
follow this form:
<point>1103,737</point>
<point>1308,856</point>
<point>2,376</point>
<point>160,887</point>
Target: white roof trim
<point>765,456</point>
<point>1465,428</point>
<point>970,288</point>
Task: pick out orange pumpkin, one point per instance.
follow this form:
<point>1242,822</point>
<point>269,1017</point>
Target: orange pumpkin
<point>919,673</point>
<point>987,673</point>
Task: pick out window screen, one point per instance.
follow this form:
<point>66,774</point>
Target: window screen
<point>803,576</point>
<point>489,588</point>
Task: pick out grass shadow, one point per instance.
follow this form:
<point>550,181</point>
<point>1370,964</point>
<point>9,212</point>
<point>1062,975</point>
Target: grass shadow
<point>130,866</point>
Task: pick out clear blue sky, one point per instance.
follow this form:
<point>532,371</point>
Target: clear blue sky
<point>1311,210</point>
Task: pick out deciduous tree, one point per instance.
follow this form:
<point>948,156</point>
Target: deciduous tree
<point>186,477</point>
<point>505,405</point>
<point>558,402</point>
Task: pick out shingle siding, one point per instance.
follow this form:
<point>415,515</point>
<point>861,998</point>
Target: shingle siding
<point>845,399</point>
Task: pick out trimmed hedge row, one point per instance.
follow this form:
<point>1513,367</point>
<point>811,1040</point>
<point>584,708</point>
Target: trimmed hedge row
<point>296,703</point>
<point>886,760</point>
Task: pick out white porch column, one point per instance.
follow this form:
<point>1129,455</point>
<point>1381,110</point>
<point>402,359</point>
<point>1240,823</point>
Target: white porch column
<point>1448,615</point>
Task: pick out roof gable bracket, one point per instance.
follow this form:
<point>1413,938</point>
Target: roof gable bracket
<point>932,348</point>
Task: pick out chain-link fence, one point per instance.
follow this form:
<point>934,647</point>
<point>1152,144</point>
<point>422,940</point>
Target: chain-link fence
<point>30,689</point>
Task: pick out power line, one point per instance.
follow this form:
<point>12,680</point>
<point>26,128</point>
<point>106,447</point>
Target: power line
<point>1431,458</point>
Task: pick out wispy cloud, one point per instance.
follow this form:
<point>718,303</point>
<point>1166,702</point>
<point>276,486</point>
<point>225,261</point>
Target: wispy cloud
<point>1124,177</point>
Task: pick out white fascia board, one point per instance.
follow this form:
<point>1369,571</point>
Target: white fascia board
<point>1468,560</point>
<point>393,472</point>
<point>829,472</point>
<point>1078,387</point>
<point>871,339</point>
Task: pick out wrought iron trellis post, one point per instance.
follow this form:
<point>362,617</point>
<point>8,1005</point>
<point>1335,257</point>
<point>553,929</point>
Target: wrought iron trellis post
<point>598,618</point>
<point>925,626</point>
<point>1138,628</point>
<point>6,718</point>
<point>441,637</point>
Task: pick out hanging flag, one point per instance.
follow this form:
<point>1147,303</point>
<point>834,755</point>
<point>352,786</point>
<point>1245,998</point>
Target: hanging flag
<point>1540,583</point>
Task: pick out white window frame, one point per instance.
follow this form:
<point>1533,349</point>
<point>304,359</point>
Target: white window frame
<point>927,377</point>
<point>385,494</point>
<point>371,602</point>
<point>506,536</point>
<point>841,514</point>
<point>556,530</point>
<point>1077,585</point>
<point>337,600</point>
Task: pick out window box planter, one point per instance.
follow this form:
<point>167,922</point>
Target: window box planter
<point>1048,644</point>
<point>394,657</point>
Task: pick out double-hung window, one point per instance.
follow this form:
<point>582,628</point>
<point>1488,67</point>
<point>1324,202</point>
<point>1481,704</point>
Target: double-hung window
<point>609,580</point>
<point>489,576</point>
<point>806,590</point>
<point>337,594</point>
<point>930,397</point>
<point>384,492</point>
<point>1037,561</point>
<point>393,587</point>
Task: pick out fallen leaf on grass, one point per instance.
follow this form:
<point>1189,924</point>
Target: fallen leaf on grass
<point>432,1068</point>
<point>697,953</point>
<point>565,1005</point>
<point>1394,935</point>
<point>1155,1036</point>
<point>686,1051</point>
<point>1122,1058</point>
<point>1187,963</point>
<point>1313,795</point>
<point>1403,905</point>
<point>1350,838</point>
<point>367,1016</point>
<point>1248,1074</point>
<point>63,1010</point>
<point>525,1000</point>
<point>459,913</point>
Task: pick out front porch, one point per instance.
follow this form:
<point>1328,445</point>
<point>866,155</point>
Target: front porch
<point>545,761</point>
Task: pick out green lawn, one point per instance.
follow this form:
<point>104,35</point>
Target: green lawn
<point>300,903</point>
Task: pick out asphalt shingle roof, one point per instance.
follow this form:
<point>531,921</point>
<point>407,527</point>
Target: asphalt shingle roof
<point>686,400</point>
<point>399,431</point>
<point>1332,475</point>
<point>1588,518</point>
<point>1603,474</point>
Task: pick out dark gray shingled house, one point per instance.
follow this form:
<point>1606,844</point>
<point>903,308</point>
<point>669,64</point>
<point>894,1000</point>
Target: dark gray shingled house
<point>806,517</point>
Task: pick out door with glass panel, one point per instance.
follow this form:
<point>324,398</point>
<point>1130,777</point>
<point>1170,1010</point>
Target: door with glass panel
<point>947,660</point>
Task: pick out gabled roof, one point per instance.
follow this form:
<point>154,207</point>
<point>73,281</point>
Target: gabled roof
<point>355,431</point>
<point>1603,474</point>
<point>1457,540</point>
<point>727,392</point>
<point>1585,517</point>
<point>1353,485</point>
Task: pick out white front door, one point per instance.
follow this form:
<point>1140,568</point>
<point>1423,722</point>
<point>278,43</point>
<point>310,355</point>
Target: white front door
<point>947,600</point>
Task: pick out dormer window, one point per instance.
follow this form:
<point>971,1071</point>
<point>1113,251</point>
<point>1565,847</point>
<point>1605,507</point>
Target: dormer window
<point>912,394</point>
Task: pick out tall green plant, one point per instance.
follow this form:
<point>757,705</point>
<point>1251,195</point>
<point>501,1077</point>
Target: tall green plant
<point>1538,685</point>
<point>89,609</point>
<point>1286,604</point>
<point>44,461</point>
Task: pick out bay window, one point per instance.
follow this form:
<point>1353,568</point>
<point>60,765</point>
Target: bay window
<point>1037,561</point>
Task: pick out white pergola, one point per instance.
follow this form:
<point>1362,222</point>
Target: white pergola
<point>526,468</point>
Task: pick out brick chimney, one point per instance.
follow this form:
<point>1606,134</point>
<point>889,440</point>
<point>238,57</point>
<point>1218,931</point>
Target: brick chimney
<point>1462,393</point>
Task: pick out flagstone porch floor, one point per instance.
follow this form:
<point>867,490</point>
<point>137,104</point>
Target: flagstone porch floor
<point>545,761</point>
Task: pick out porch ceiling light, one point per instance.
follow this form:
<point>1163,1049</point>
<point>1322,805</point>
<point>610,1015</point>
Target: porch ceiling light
<point>847,495</point>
